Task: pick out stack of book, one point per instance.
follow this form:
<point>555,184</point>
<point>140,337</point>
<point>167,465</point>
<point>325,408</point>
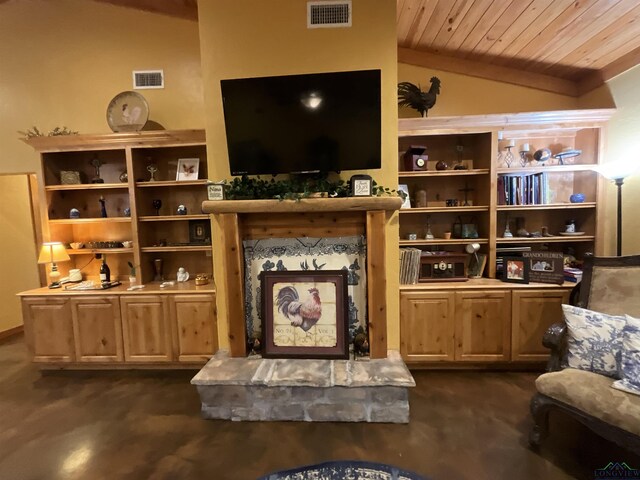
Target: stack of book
<point>572,274</point>
<point>409,265</point>
<point>530,189</point>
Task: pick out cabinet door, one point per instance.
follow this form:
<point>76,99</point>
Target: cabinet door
<point>483,326</point>
<point>97,329</point>
<point>145,328</point>
<point>427,326</point>
<point>194,320</point>
<point>48,329</point>
<point>533,312</point>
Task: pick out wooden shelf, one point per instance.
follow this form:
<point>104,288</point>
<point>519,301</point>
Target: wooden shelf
<point>184,248</point>
<point>444,173</point>
<point>92,251</point>
<point>172,183</point>
<point>443,241</point>
<point>549,169</point>
<point>480,208</point>
<point>349,204</point>
<point>558,239</point>
<point>483,284</point>
<point>549,206</point>
<point>76,221</point>
<point>172,218</point>
<point>87,186</point>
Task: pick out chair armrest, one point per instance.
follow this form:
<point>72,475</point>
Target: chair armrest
<point>555,340</point>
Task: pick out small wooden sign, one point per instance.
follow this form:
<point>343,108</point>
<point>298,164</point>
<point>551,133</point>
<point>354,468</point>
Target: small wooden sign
<point>545,267</point>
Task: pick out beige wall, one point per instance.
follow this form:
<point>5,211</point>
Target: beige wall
<point>464,95</point>
<point>623,141</point>
<point>62,61</point>
<point>18,268</point>
<point>256,38</point>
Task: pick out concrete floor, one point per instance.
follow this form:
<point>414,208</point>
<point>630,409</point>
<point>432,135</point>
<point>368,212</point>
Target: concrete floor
<point>147,425</point>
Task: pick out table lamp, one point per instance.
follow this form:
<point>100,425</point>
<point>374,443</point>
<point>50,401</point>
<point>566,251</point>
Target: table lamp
<point>618,171</point>
<point>53,252</point>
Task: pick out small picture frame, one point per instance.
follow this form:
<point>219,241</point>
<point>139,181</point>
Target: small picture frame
<point>216,191</point>
<point>361,186</point>
<point>407,200</point>
<point>69,177</point>
<point>187,169</point>
<point>199,232</point>
<point>545,267</point>
<point>516,270</point>
<point>319,331</point>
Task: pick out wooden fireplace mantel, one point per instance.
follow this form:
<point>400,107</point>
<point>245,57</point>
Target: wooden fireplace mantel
<point>312,217</point>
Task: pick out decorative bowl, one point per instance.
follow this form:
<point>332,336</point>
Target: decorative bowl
<point>77,245</point>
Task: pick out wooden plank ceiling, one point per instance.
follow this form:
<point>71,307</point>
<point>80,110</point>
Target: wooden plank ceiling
<point>563,46</point>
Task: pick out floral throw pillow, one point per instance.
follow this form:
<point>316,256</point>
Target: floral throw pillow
<point>630,358</point>
<point>594,340</point>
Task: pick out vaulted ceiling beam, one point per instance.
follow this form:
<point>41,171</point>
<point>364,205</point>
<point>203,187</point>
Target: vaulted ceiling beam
<point>186,9</point>
<point>491,72</point>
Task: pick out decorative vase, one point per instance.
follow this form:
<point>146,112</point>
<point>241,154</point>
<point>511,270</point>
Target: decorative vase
<point>441,165</point>
<point>157,265</point>
<point>577,198</point>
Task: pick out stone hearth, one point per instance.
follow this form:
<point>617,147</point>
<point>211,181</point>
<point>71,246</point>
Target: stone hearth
<point>257,389</point>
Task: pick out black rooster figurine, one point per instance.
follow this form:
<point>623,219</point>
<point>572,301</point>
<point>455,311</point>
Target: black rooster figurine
<point>410,95</point>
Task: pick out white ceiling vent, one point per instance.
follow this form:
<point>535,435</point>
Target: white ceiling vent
<point>329,14</point>
<point>148,79</point>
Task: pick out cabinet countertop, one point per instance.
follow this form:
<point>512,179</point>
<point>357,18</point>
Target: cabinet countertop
<point>150,288</point>
<point>482,284</point>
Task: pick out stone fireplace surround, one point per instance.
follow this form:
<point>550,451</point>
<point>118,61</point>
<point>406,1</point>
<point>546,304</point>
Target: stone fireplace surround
<point>232,386</point>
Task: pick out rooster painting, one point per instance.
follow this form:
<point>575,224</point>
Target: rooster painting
<point>410,95</point>
<point>301,314</point>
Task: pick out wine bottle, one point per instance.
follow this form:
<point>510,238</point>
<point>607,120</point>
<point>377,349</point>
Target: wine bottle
<point>105,273</point>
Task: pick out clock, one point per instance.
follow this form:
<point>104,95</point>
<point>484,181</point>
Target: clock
<point>415,159</point>
<point>361,186</point>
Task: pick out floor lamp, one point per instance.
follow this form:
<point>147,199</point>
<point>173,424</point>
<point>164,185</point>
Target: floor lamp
<point>618,172</point>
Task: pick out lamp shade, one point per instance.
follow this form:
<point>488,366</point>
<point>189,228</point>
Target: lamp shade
<point>53,252</point>
<point>619,169</point>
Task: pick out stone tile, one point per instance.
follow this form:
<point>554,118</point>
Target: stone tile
<point>290,412</point>
<point>388,395</point>
<point>251,414</point>
<point>340,394</point>
<point>341,372</point>
<point>263,372</point>
<point>216,413</point>
<point>306,394</point>
<point>380,372</point>
<point>290,372</point>
<point>218,395</point>
<point>397,414</point>
<point>227,371</point>
<point>270,394</point>
<point>341,412</point>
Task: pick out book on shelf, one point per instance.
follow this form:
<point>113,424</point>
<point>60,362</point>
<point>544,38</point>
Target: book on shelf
<point>572,274</point>
<point>409,265</point>
<point>523,189</point>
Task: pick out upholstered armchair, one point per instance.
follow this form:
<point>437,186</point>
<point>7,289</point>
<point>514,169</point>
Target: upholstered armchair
<point>609,285</point>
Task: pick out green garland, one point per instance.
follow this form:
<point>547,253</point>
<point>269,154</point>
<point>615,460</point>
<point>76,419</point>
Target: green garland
<point>296,188</point>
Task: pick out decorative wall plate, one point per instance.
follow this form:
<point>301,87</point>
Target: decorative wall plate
<point>127,112</point>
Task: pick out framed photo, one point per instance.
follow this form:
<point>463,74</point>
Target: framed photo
<point>407,201</point>
<point>305,314</point>
<point>187,169</point>
<point>215,191</point>
<point>361,186</point>
<point>516,270</point>
<point>200,232</point>
<point>545,267</point>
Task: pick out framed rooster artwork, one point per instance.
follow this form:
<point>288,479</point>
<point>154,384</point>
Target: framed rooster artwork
<point>187,169</point>
<point>305,314</point>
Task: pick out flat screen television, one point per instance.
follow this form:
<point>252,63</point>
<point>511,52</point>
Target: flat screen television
<point>320,122</point>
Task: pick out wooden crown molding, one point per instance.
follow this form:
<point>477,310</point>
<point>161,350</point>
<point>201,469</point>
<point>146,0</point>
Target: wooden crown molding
<point>488,71</point>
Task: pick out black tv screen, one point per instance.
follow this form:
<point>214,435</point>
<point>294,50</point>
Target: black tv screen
<point>320,122</point>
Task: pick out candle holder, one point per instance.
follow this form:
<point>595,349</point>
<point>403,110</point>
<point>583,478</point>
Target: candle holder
<point>508,157</point>
<point>524,158</point>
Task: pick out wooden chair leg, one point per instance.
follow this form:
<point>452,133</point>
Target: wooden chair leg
<point>540,406</point>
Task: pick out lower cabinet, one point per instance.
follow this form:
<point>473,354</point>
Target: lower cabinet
<point>145,329</point>
<point>492,325</point>
<point>533,312</point>
<point>97,329</point>
<point>48,329</point>
<point>120,329</point>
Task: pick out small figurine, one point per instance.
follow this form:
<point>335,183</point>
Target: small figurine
<point>152,169</point>
<point>74,213</point>
<point>182,210</point>
<point>183,275</point>
<point>127,212</point>
<point>96,164</point>
<point>255,346</point>
<point>361,343</point>
<point>507,231</point>
<point>103,208</point>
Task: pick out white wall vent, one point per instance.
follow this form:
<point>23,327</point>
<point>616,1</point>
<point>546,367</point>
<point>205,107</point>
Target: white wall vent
<point>148,79</point>
<point>329,14</point>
